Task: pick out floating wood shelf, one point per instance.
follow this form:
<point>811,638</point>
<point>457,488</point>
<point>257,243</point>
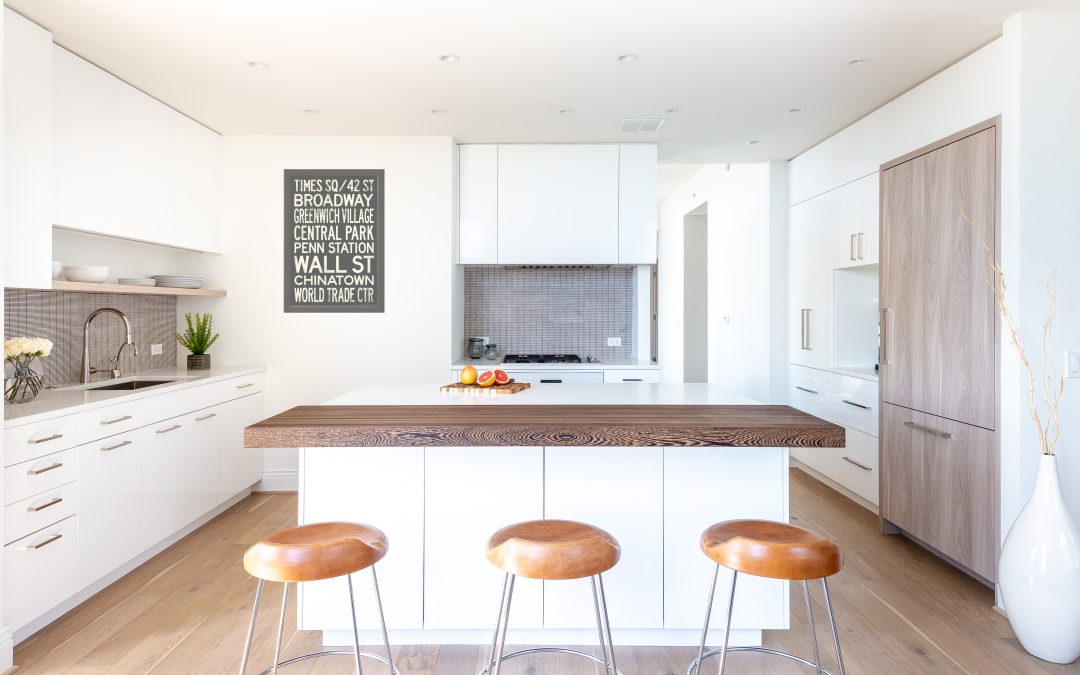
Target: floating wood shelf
<point>82,287</point>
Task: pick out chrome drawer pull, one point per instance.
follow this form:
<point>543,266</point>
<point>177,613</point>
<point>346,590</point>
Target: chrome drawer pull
<point>943,434</point>
<point>858,464</point>
<point>862,250</point>
<point>44,542</point>
<point>125,418</point>
<point>808,391</point>
<point>114,447</point>
<point>205,417</point>
<point>851,252</point>
<point>46,439</point>
<point>40,507</point>
<point>245,386</point>
<point>36,472</point>
<point>631,379</point>
<point>172,428</point>
<point>550,381</point>
<point>857,405</point>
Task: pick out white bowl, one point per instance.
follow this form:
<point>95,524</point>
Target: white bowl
<point>91,274</point>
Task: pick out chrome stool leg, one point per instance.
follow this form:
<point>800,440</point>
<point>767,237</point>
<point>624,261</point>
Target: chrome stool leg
<point>251,627</point>
<point>832,624</point>
<point>505,622</point>
<point>696,663</point>
<point>607,623</point>
<point>727,624</point>
<point>810,619</point>
<point>280,627</point>
<point>355,630</point>
<point>382,619</point>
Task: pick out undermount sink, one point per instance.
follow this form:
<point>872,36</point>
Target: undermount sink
<point>126,384</point>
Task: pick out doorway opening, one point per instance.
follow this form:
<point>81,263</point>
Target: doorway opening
<point>696,295</point>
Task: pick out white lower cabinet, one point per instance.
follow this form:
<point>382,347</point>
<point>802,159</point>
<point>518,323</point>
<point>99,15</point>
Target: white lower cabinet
<point>633,514</point>
<point>167,487</point>
<point>39,572</point>
<point>470,493</point>
<point>854,466</point>
<point>110,488</point>
<point>240,467</point>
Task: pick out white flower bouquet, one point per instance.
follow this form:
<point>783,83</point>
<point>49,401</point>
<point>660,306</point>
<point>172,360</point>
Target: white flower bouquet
<point>20,352</point>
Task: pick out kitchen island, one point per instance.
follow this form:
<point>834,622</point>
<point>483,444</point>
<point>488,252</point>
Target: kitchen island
<point>654,464</point>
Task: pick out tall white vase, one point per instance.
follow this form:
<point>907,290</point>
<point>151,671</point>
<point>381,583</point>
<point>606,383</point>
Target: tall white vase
<point>1039,572</point>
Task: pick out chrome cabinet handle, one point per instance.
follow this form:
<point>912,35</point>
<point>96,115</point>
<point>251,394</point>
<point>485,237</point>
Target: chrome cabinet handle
<point>550,381</point>
<point>808,391</point>
<point>852,251</point>
<point>883,331</point>
<point>124,418</point>
<point>37,472</point>
<point>46,439</point>
<point>114,447</point>
<point>861,248</point>
<point>631,379</point>
<point>205,417</point>
<point>172,428</point>
<point>40,507</point>
<point>857,463</point>
<point>245,385</point>
<point>857,405</point>
<point>935,432</point>
<point>44,542</point>
<point>806,329</point>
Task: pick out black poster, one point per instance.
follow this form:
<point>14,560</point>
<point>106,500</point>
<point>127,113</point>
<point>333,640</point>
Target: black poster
<point>334,240</point>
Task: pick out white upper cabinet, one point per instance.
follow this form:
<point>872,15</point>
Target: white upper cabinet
<point>478,204</point>
<point>144,167</point>
<point>558,204</point>
<point>197,185</point>
<point>27,152</point>
<point>857,222</point>
<point>810,173</point>
<point>813,225</point>
<point>863,147</point>
<point>637,204</point>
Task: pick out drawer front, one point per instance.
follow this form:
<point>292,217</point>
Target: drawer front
<point>38,475</point>
<point>34,440</point>
<point>642,375</point>
<point>114,419</point>
<point>39,511</point>
<point>807,389</point>
<point>557,376</point>
<point>852,402</point>
<point>854,466</point>
<point>236,387</point>
<point>39,573</point>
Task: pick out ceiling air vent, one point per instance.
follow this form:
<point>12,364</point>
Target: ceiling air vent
<point>642,124</point>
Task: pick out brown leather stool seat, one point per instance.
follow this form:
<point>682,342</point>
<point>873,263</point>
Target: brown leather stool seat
<point>553,550</point>
<point>769,549</point>
<point>316,551</point>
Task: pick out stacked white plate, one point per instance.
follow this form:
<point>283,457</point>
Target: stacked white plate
<point>178,281</point>
<point>136,281</point>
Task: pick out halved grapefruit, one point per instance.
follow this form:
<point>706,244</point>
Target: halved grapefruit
<point>486,379</point>
<point>501,377</point>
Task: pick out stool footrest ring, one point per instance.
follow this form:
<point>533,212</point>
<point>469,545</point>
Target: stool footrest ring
<point>333,652</point>
<point>551,650</point>
<point>765,650</point>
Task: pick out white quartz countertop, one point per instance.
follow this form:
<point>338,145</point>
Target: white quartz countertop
<point>56,402</point>
<point>548,394</point>
<point>610,364</point>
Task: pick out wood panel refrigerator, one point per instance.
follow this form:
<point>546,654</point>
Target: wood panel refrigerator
<point>939,348</point>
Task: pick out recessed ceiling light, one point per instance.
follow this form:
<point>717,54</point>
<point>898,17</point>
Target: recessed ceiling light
<point>673,111</point>
<point>258,65</point>
<point>857,62</point>
<point>566,111</point>
<point>794,110</point>
<point>753,141</point>
<point>449,58</point>
<point>438,111</point>
<point>627,58</point>
<point>310,111</point>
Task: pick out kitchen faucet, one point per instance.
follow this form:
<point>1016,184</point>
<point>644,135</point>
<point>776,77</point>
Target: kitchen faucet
<point>114,372</point>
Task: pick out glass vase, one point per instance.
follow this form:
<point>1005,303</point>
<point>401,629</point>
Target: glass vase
<point>24,385</point>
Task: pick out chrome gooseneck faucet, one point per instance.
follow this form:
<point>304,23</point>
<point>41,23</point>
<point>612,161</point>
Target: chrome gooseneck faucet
<point>114,372</point>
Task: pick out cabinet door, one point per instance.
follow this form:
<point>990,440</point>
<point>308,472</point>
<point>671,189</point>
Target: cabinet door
<point>180,474</point>
<point>144,168</point>
<point>857,241</point>
<point>637,205</point>
<point>558,204</point>
<point>940,483</point>
<point>27,81</point>
<point>633,514</point>
<point>110,504</point>
<point>478,212</point>
<point>84,144</point>
<point>939,314</point>
<point>196,185</point>
<point>811,173</point>
<point>240,467</point>
<point>469,494</point>
<point>39,572</point>
<point>855,466</point>
<point>860,149</point>
<point>204,460</point>
<point>813,223</point>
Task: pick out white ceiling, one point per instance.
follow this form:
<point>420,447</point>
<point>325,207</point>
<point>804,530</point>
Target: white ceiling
<point>372,68</point>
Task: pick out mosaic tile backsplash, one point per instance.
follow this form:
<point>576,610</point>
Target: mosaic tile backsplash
<point>551,310</point>
<point>59,316</point>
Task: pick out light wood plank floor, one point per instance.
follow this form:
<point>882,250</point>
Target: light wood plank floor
<point>901,610</point>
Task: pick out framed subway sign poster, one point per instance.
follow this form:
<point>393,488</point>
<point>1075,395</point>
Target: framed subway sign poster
<point>334,253</point>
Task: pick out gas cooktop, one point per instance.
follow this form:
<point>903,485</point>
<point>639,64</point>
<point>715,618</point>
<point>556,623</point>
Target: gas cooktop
<point>541,358</point>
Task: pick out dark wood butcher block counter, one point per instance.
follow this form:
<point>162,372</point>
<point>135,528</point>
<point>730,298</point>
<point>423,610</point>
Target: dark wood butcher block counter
<point>646,425</point>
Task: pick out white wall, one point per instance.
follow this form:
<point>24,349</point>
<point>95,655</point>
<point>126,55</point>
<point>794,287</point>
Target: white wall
<point>313,357</point>
<point>742,276</point>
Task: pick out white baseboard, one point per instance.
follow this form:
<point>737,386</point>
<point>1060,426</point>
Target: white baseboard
<point>278,481</point>
<point>820,477</point>
<point>645,637</point>
<point>96,587</point>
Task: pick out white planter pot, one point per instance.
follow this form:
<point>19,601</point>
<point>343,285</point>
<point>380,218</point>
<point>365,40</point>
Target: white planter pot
<point>1039,572</point>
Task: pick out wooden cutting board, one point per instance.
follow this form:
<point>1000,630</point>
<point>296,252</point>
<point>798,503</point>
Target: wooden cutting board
<point>510,387</point>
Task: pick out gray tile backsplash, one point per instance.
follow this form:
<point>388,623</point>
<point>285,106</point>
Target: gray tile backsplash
<point>551,310</point>
<point>59,316</point>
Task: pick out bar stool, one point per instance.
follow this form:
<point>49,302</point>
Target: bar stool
<point>765,548</point>
<point>312,553</point>
<point>552,550</point>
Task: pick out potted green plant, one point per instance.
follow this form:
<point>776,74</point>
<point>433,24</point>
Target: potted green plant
<point>197,339</point>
